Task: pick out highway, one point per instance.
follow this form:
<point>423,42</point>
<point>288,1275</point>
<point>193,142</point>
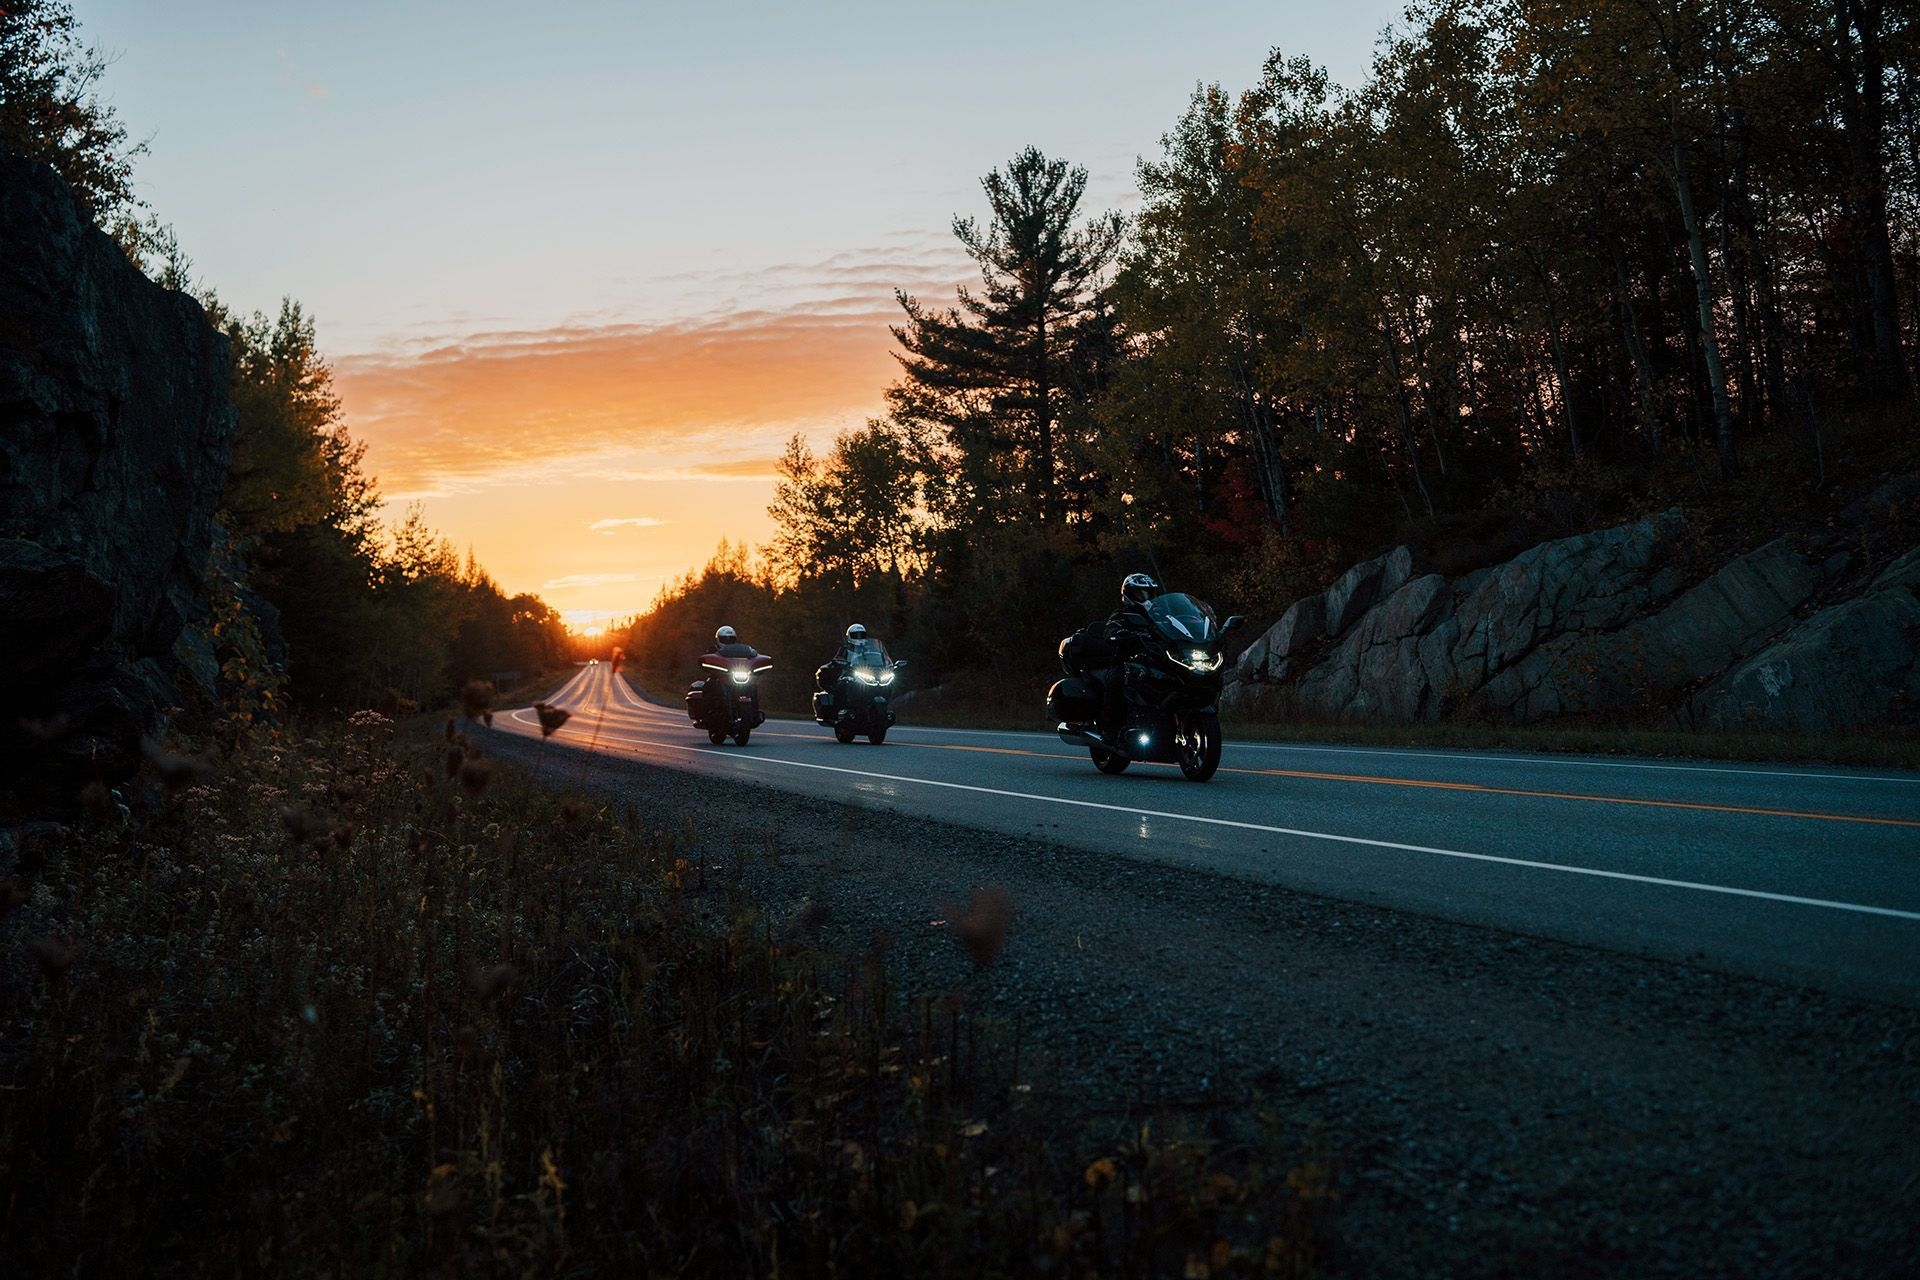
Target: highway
<point>1803,874</point>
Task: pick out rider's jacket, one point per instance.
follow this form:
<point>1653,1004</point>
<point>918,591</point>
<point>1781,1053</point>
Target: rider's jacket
<point>868,652</point>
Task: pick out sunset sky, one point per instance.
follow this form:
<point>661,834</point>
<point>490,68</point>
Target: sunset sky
<point>582,268</point>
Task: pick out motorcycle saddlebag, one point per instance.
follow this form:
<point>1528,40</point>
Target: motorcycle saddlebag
<point>697,701</point>
<point>823,710</point>
<point>1073,701</point>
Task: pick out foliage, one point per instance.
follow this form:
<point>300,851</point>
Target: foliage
<point>361,1005</point>
<point>50,109</point>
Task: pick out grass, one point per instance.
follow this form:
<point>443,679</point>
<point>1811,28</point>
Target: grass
<point>368,1002</point>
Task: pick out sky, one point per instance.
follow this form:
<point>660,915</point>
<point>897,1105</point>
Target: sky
<point>582,268</point>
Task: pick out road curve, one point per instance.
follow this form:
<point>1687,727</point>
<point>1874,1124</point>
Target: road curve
<point>1808,875</point>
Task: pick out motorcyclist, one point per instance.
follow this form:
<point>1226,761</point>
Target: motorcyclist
<point>1126,629</point>
<point>857,648</point>
<point>726,643</point>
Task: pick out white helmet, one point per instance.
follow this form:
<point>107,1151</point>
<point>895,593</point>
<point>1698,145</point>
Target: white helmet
<point>1137,588</point>
<point>856,632</point>
<point>725,635</point>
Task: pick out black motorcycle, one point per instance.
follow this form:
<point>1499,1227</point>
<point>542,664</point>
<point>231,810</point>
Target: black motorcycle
<point>727,703</point>
<point>1171,679</point>
<point>857,702</point>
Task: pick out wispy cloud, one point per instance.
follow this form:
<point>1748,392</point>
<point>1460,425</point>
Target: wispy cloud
<point>613,525</point>
<point>577,581</point>
<point>805,348</point>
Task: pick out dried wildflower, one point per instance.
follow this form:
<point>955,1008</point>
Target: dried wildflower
<point>450,724</point>
<point>551,718</point>
<point>491,983</point>
<point>56,954</point>
<point>982,927</point>
<point>476,699</point>
<point>177,771</point>
<point>301,824</point>
<point>475,774</point>
<point>407,706</point>
<point>96,801</point>
<point>46,728</point>
<point>619,660</point>
<point>13,894</point>
<point>368,719</point>
<point>454,756</point>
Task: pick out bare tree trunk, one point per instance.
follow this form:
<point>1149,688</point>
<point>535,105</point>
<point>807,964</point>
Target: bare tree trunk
<point>1703,293</point>
<point>1636,347</point>
<point>1862,110</point>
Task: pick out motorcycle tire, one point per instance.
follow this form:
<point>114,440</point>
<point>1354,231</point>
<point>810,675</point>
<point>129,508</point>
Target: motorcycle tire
<point>1200,747</point>
<point>844,732</point>
<point>740,738</point>
<point>1108,762</point>
<point>716,736</point>
<point>877,736</point>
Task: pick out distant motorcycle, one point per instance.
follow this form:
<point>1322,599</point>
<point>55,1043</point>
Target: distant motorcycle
<point>727,703</point>
<point>1171,682</point>
<point>857,703</point>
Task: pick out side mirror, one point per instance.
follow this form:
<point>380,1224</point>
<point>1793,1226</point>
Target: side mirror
<point>900,664</point>
<point>1232,624</point>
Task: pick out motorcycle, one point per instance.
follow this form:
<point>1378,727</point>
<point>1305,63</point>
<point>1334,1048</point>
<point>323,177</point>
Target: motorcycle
<point>1171,680</point>
<point>857,703</point>
<point>727,703</point>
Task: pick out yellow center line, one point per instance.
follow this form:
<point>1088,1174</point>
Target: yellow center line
<point>1569,795</point>
<point>1435,785</point>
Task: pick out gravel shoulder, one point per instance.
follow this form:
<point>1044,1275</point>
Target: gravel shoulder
<point>1493,1104</point>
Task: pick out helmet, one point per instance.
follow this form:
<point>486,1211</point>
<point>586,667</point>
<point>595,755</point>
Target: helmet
<point>856,632</point>
<point>725,635</point>
<point>1137,588</point>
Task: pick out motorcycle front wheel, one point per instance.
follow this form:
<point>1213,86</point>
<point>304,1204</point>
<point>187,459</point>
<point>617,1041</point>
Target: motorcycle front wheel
<point>1199,746</point>
<point>877,736</point>
<point>1107,762</point>
<point>740,738</point>
<point>716,736</point>
<point>844,732</point>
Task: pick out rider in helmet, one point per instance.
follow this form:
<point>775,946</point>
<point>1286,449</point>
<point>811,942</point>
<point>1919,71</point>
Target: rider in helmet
<point>726,643</point>
<point>856,646</point>
<point>1126,626</point>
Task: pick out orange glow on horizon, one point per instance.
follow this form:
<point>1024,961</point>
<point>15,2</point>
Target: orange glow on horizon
<point>593,466</point>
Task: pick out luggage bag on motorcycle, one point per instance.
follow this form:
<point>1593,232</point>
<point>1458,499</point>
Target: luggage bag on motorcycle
<point>697,701</point>
<point>1073,701</point>
<point>823,708</point>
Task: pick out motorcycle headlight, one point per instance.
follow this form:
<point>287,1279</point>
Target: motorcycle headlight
<point>886,677</point>
<point>742,677</point>
<point>865,675</point>
<point>1196,659</point>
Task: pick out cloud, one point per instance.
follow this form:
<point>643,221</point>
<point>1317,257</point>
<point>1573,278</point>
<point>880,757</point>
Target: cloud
<point>803,347</point>
<point>577,581</point>
<point>613,525</point>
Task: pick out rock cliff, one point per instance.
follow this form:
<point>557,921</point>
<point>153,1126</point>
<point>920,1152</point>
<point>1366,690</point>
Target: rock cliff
<point>1604,624</point>
<point>115,433</point>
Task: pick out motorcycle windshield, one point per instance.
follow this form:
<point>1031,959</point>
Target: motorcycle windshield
<point>1183,620</point>
<point>867,653</point>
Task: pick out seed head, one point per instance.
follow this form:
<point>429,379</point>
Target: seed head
<point>454,756</point>
<point>475,774</point>
<point>981,929</point>
<point>551,718</point>
<point>476,699</point>
<point>56,954</point>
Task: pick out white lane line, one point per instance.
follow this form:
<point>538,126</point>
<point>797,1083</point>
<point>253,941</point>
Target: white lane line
<point>1364,841</point>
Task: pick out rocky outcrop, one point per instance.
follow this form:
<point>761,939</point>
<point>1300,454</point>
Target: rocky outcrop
<point>1597,624</point>
<point>1853,664</point>
<point>115,431</point>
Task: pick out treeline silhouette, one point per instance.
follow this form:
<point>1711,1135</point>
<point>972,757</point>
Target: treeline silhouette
<point>318,600</point>
<point>1553,264</point>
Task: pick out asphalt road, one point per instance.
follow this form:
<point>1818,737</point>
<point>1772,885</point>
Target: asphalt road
<point>1807,875</point>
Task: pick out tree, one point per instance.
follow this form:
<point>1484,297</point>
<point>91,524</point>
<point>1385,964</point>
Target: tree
<point>50,109</point>
<point>993,372</point>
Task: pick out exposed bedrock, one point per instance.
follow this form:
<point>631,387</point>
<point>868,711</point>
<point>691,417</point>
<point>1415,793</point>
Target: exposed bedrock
<point>1600,624</point>
<point>115,432</point>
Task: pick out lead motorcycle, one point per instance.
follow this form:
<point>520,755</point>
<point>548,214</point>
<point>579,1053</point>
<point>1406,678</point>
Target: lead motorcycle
<point>1171,679</point>
<point>727,703</point>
